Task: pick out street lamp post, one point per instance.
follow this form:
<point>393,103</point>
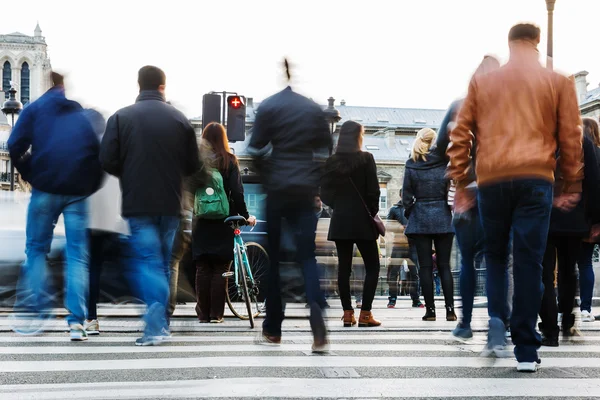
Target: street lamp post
<point>333,116</point>
<point>550,8</point>
<point>12,106</point>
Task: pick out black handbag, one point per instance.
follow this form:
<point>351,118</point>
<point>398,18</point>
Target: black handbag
<point>377,222</point>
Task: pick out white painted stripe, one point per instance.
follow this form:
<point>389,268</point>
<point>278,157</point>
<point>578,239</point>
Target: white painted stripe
<point>285,362</point>
<point>311,388</point>
<point>231,348</point>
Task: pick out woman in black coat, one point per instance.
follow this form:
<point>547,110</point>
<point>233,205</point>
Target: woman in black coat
<point>212,240</point>
<point>350,187</point>
<point>424,194</point>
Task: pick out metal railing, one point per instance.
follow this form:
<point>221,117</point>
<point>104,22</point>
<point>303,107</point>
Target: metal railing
<point>5,177</point>
<point>3,146</point>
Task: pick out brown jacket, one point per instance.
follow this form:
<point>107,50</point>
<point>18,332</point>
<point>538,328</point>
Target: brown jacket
<point>520,115</point>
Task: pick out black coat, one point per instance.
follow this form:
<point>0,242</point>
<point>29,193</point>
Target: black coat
<point>396,213</point>
<point>289,131</point>
<point>214,237</point>
<point>578,221</point>
<point>151,147</point>
<point>424,194</point>
<point>350,219</point>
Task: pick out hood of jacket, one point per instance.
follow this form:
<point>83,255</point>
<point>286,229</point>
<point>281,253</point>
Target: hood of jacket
<point>434,160</point>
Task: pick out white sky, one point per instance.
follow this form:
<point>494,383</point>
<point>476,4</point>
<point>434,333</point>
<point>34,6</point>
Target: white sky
<point>394,53</point>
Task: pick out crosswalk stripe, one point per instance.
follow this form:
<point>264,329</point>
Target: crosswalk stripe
<point>310,388</point>
<point>285,362</point>
<point>415,347</point>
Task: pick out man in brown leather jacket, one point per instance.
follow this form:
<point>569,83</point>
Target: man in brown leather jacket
<point>521,116</point>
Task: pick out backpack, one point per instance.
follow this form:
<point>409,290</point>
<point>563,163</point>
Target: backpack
<point>211,201</point>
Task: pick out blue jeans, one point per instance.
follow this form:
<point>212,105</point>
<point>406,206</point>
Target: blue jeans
<point>469,237</point>
<point>523,206</point>
<point>151,243</point>
<point>586,275</point>
<point>44,210</point>
<point>298,210</point>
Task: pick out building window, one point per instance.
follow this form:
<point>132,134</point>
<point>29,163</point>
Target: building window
<point>383,201</point>
<point>6,78</point>
<point>25,83</point>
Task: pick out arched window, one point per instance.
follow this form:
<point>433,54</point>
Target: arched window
<point>25,83</point>
<point>6,77</point>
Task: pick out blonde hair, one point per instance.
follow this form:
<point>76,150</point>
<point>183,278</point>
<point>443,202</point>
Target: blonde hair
<point>425,139</point>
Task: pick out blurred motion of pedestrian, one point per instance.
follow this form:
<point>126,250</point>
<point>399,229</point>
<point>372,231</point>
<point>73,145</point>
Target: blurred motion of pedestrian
<point>518,116</point>
<point>150,146</point>
<point>106,227</point>
<point>424,194</point>
<point>212,239</point>
<point>55,148</point>
<point>351,189</point>
<point>289,133</point>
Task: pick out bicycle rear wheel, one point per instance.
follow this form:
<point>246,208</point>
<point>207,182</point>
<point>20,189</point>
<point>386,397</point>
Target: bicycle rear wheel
<point>258,261</point>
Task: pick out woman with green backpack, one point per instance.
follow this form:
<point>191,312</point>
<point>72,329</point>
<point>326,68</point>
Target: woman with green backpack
<point>212,240</point>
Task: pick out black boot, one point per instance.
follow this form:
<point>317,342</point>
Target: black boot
<point>450,314</point>
<point>430,314</point>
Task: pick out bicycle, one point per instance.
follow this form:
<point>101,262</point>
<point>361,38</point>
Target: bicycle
<point>243,280</point>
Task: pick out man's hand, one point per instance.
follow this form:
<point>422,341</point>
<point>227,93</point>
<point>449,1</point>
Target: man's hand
<point>566,201</point>
<point>464,200</point>
<point>252,220</point>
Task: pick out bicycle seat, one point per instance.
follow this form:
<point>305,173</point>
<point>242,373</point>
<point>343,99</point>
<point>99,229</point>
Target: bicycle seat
<point>236,219</point>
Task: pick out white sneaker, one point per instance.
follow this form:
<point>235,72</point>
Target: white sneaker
<point>587,316</point>
<point>528,366</point>
<point>78,334</point>
<point>92,327</point>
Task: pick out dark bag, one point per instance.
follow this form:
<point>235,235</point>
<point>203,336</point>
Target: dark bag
<point>377,222</point>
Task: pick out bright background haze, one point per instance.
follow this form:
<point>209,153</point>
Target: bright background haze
<point>395,53</point>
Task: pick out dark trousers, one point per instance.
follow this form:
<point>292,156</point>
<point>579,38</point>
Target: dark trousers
<point>469,237</point>
<point>586,275</point>
<point>523,206</point>
<point>370,255</point>
<point>180,247</point>
<point>104,247</point>
<point>299,213</point>
<point>210,288</point>
<point>566,250</point>
<point>413,275</point>
<point>443,250</point>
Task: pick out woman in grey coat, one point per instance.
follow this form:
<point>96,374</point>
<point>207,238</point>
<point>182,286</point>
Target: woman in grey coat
<point>424,195</point>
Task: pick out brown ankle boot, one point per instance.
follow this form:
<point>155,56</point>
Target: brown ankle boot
<point>366,319</point>
<point>348,318</point>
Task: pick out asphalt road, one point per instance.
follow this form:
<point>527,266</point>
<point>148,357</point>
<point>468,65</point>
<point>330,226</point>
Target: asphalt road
<point>405,358</point>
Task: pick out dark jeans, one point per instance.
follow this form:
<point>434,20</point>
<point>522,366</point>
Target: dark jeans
<point>413,275</point>
<point>469,237</point>
<point>370,255</point>
<point>523,206</point>
<point>443,249</point>
<point>210,288</point>
<point>586,275</point>
<point>104,247</point>
<point>566,249</point>
<point>300,215</point>
<point>151,245</point>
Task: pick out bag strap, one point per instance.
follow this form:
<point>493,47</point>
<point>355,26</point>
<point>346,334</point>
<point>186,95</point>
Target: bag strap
<point>361,198</point>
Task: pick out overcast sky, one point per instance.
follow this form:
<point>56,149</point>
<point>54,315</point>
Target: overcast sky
<point>393,53</point>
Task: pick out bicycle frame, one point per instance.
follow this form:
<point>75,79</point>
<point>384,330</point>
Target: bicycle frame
<point>241,247</point>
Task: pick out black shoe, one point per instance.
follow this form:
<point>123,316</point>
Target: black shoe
<point>549,340</point>
<point>391,302</point>
<point>450,314</point>
<point>430,314</point>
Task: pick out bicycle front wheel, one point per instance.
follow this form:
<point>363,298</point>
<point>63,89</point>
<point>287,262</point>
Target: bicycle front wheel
<point>247,299</point>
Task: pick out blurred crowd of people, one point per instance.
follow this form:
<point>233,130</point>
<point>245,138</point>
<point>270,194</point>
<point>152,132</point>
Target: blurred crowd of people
<point>509,174</point>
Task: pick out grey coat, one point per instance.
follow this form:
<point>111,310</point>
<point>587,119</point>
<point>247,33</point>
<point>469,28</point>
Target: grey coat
<point>424,194</point>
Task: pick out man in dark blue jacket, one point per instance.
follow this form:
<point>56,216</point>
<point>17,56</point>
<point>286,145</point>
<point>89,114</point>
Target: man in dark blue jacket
<point>151,146</point>
<point>294,127</point>
<point>55,148</point>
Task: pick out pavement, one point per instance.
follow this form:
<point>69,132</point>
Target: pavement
<point>405,358</point>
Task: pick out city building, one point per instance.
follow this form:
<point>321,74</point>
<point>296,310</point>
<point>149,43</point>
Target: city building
<point>589,100</point>
<point>24,64</point>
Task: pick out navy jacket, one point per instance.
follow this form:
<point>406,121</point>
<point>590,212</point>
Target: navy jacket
<point>55,148</point>
<point>150,146</point>
<point>289,134</point>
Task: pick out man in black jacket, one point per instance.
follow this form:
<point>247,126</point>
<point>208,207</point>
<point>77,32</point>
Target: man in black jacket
<point>397,213</point>
<point>296,130</point>
<point>150,146</point>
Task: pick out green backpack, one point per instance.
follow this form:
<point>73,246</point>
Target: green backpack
<point>211,201</point>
